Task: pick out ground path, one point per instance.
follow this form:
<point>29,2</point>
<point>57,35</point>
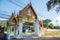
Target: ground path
<point>41,38</point>
<point>33,37</point>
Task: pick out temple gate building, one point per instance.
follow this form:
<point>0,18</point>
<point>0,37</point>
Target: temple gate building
<point>27,14</point>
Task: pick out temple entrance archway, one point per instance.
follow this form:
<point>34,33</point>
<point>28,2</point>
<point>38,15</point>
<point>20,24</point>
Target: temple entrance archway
<point>28,15</point>
<point>34,24</point>
<point>28,27</point>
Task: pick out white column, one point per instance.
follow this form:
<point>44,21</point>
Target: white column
<point>36,28</point>
<point>14,32</point>
<point>20,29</point>
<point>8,32</point>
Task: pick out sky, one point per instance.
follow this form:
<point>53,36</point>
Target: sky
<point>39,6</point>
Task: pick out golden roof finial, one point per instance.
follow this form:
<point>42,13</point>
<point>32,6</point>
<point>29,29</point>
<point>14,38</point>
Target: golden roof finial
<point>14,12</point>
<point>30,2</point>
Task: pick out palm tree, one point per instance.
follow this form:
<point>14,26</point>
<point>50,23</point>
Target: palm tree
<point>52,3</point>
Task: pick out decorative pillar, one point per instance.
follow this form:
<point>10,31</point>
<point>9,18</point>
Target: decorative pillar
<point>36,28</point>
<point>8,32</point>
<point>15,32</point>
<point>20,30</point>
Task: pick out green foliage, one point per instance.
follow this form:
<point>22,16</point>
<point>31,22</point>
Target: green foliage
<point>28,23</point>
<point>5,28</point>
<point>3,24</point>
<point>46,23</point>
<point>13,29</point>
<point>51,26</point>
<point>52,3</point>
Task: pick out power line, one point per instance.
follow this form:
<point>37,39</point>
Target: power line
<point>14,3</point>
<point>4,11</point>
<point>4,14</point>
<point>3,17</point>
<point>21,2</point>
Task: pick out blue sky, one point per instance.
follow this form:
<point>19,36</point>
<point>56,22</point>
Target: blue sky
<point>7,7</point>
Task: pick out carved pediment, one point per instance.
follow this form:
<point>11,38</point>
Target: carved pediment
<point>28,13</point>
<point>13,20</point>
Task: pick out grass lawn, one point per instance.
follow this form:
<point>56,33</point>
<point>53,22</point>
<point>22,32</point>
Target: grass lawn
<point>52,33</point>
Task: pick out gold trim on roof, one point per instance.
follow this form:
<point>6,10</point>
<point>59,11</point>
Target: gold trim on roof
<point>13,18</point>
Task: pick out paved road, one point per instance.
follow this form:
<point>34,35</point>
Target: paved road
<point>40,38</point>
<point>34,37</point>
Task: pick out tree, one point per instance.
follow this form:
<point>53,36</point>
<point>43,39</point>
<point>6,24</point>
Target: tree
<point>46,22</point>
<point>51,26</point>
<point>52,3</point>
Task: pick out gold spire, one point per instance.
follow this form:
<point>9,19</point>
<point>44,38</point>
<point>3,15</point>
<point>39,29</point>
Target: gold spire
<point>30,2</point>
<point>14,13</point>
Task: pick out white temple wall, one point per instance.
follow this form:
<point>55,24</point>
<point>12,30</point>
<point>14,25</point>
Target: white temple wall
<point>8,32</point>
<point>20,30</point>
<point>36,28</point>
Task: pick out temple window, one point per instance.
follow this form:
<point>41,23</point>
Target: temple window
<point>29,12</point>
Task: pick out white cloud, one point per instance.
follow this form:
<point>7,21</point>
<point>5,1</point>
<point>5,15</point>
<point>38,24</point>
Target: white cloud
<point>56,21</point>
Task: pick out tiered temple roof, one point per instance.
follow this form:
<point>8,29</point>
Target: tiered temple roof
<point>23,15</point>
